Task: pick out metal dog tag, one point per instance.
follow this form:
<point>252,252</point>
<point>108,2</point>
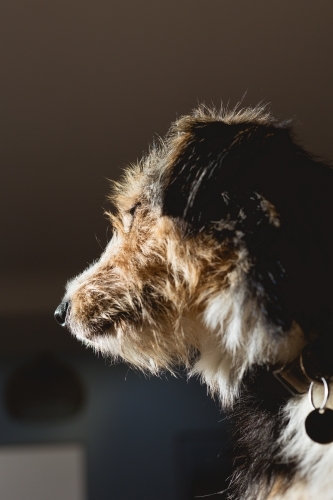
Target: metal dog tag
<point>319,425</point>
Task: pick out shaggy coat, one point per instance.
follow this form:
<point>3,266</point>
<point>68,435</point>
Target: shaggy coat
<point>221,260</point>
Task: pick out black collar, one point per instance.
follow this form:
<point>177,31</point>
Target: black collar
<point>314,363</point>
<point>272,387</point>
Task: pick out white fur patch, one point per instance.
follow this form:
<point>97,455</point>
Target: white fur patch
<point>238,338</point>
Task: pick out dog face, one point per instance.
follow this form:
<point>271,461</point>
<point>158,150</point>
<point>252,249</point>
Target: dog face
<point>201,268</point>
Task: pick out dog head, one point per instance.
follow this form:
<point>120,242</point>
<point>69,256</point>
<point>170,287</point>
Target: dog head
<point>206,266</point>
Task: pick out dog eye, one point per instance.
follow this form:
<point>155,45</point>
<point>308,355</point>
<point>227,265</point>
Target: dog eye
<point>133,209</point>
<point>128,217</point>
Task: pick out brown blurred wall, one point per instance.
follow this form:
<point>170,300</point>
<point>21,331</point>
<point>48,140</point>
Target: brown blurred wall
<point>85,85</point>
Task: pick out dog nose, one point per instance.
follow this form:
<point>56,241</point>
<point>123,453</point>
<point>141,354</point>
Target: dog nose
<point>61,313</point>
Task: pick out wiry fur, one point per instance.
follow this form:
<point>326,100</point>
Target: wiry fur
<point>221,261</point>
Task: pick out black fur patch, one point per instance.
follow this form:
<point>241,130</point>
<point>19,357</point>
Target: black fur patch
<point>219,159</point>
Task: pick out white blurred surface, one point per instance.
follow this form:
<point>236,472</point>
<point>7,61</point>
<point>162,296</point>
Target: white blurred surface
<point>43,472</point>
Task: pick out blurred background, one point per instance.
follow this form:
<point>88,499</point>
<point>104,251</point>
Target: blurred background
<point>85,85</point>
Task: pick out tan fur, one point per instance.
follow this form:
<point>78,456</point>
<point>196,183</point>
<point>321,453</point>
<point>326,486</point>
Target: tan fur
<point>182,278</point>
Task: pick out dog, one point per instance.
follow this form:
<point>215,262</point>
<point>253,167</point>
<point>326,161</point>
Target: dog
<point>221,261</point>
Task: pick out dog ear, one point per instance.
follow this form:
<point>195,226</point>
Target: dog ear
<point>221,167</point>
<point>241,179</point>
<point>250,183</point>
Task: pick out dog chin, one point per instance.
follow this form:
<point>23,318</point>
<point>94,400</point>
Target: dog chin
<point>103,340</point>
<point>90,334</point>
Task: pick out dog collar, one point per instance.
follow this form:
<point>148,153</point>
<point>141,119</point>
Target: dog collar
<point>314,363</point>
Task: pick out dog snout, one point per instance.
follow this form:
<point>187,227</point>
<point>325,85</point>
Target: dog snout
<point>61,313</point>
